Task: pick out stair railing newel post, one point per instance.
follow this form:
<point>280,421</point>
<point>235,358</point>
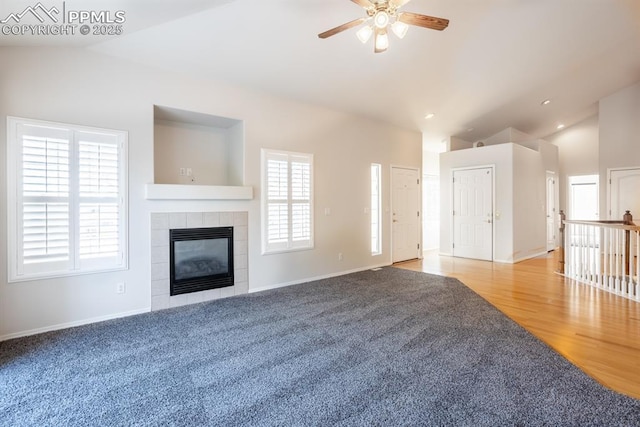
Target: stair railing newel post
<point>563,217</point>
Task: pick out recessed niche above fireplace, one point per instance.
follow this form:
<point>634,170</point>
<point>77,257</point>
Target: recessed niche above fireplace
<point>197,156</point>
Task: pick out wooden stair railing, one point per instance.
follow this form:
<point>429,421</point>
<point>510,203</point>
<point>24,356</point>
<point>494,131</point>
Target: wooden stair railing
<point>604,254</point>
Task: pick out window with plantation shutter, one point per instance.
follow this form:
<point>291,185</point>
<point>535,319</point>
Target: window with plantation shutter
<point>287,201</point>
<point>67,193</point>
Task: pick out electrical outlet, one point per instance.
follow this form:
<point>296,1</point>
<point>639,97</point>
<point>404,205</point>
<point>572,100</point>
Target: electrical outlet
<point>183,171</point>
<point>340,257</point>
<point>189,171</point>
<point>120,288</point>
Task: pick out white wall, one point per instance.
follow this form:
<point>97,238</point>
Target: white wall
<point>86,88</point>
<point>500,156</point>
<point>505,136</point>
<point>529,204</point>
<point>619,135</point>
<point>203,149</point>
<point>235,141</point>
<point>519,196</point>
<point>455,144</point>
<point>578,148</point>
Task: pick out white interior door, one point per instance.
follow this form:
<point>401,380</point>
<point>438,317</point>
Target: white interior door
<point>623,193</point>
<point>405,193</point>
<point>551,211</point>
<point>473,213</point>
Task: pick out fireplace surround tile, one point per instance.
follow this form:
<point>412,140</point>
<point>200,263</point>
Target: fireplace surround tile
<point>226,219</point>
<point>161,223</point>
<point>195,220</point>
<point>240,218</point>
<point>211,219</point>
<point>177,220</point>
<point>159,287</point>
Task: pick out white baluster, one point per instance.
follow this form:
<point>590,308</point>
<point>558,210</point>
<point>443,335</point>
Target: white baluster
<point>568,253</point>
<point>617,278</point>
<point>637,254</point>
<point>603,260</point>
<point>611,259</point>
<point>623,281</point>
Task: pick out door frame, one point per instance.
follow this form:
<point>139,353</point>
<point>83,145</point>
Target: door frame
<point>554,214</point>
<point>390,211</point>
<point>493,205</point>
<point>609,171</point>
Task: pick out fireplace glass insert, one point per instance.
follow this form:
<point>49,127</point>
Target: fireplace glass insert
<point>200,259</point>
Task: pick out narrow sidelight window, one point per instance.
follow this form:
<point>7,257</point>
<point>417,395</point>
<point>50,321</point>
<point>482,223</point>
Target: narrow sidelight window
<point>376,214</point>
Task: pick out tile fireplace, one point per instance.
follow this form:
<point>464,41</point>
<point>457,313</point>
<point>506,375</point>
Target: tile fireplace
<point>210,262</point>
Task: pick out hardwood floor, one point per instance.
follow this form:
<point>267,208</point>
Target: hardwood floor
<point>596,331</point>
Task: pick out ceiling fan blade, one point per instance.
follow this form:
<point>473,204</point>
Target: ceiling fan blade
<point>399,3</point>
<point>364,3</point>
<point>341,28</point>
<point>423,20</point>
<point>378,46</point>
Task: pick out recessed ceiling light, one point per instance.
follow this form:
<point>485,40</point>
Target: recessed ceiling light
<point>429,116</point>
<point>470,130</point>
<point>560,126</point>
<point>546,102</point>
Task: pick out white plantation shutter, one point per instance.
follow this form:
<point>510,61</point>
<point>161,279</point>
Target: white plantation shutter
<point>277,198</point>
<point>287,201</point>
<point>44,212</point>
<point>68,188</point>
<point>300,199</point>
<point>99,212</point>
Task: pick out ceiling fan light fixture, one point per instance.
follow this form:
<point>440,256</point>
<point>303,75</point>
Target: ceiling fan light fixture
<point>382,41</point>
<point>381,19</point>
<point>382,14</point>
<point>399,29</point>
<point>364,34</point>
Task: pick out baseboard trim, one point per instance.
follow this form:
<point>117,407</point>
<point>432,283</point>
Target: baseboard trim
<point>312,279</point>
<point>72,324</point>
<point>524,258</point>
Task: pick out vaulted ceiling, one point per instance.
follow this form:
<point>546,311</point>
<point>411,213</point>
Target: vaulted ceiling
<point>490,69</point>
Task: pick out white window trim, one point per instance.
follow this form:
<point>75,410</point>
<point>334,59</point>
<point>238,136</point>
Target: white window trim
<point>290,246</point>
<point>14,209</point>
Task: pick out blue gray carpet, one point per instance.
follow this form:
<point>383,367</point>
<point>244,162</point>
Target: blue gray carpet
<point>386,348</point>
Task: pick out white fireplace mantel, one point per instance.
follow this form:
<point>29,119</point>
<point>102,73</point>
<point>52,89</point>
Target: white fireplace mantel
<point>197,192</point>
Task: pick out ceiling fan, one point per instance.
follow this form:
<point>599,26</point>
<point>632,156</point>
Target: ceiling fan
<point>382,15</point>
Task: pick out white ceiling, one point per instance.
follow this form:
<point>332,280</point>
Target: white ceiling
<point>488,71</point>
